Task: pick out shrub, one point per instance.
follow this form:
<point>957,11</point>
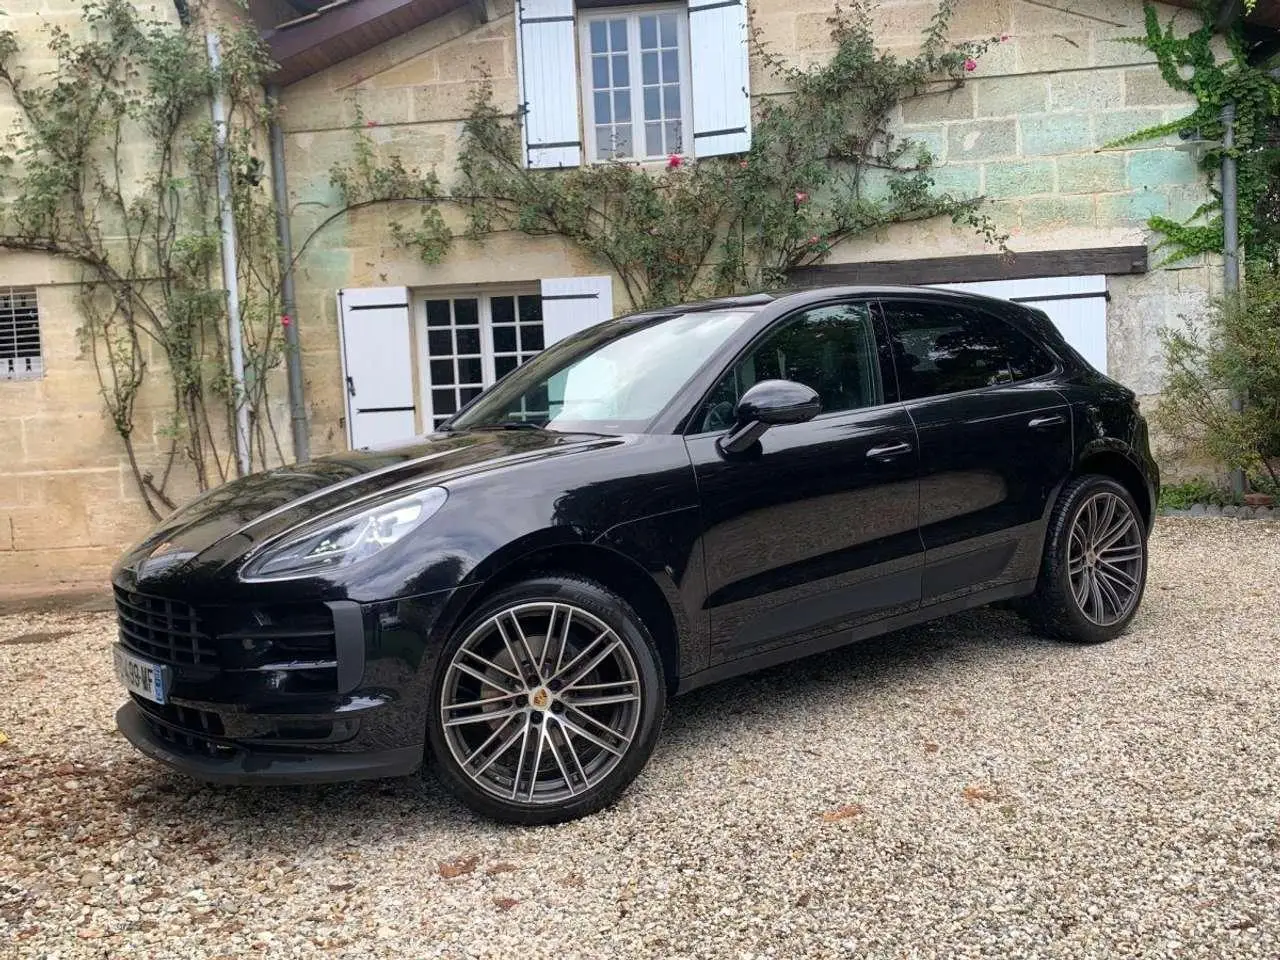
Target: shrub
<point>1233,351</point>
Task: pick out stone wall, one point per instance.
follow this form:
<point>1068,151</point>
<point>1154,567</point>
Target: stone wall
<point>1028,129</point>
<point>68,499</point>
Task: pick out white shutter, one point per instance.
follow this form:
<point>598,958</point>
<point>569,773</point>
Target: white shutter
<point>570,304</point>
<point>1076,305</point>
<point>547,65</point>
<point>721,86</point>
<point>377,367</point>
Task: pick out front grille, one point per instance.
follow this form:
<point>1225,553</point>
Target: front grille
<point>187,719</point>
<point>164,630</point>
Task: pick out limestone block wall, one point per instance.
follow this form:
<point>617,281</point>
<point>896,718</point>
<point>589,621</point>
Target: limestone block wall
<point>68,500</point>
<point>1029,129</point>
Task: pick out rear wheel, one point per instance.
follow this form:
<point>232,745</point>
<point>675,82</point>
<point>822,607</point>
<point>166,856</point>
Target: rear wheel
<point>1095,564</point>
<point>548,702</point>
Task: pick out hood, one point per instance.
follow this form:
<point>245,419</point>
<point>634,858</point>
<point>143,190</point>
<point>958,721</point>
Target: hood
<point>245,512</point>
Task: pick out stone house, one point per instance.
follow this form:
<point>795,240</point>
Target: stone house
<point>391,345</point>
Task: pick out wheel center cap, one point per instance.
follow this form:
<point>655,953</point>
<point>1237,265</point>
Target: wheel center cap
<point>540,699</point>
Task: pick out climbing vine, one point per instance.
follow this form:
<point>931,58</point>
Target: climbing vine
<point>825,165</point>
<point>1188,64</point>
<point>112,166</point>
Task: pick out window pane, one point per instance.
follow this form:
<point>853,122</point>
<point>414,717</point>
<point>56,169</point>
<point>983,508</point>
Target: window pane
<point>653,140</point>
<point>469,371</point>
<point>620,70</point>
<point>468,340</point>
<point>622,106</point>
<point>439,343</point>
<point>600,73</point>
<point>437,313</point>
<point>670,66</point>
<point>470,393</point>
<point>441,372</point>
<point>531,337</point>
<point>652,104</point>
<point>939,348</point>
<point>622,141</point>
<point>668,26</point>
<point>602,108</point>
<point>648,33</point>
<point>831,349</point>
<point>599,36</point>
<point>504,339</point>
<point>504,365</point>
<point>531,308</point>
<point>649,67</point>
<point>604,143</point>
<point>443,401</point>
<point>671,101</point>
<point>675,142</point>
<point>618,34</point>
<point>503,309</point>
<point>466,313</point>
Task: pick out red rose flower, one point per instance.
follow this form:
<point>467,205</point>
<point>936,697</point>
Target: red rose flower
<point>971,64</point>
<point>674,161</point>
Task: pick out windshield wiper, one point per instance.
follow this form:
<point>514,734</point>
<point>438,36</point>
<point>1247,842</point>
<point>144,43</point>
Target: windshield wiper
<point>508,425</point>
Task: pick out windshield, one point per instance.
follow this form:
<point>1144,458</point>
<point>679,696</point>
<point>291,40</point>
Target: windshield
<point>614,378</point>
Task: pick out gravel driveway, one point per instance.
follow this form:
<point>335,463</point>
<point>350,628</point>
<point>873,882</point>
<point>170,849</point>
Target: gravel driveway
<point>961,789</point>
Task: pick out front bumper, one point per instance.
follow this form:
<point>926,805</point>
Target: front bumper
<point>272,694</point>
<point>240,765</point>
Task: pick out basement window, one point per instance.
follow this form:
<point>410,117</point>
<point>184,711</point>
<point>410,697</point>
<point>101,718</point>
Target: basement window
<point>19,334</point>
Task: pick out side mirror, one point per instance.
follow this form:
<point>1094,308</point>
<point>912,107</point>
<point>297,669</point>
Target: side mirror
<point>770,403</point>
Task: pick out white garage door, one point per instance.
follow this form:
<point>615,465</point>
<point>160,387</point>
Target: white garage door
<point>1076,305</point>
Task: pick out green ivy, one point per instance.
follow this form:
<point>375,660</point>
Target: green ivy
<point>1188,64</point>
<point>825,166</point>
<point>111,166</point>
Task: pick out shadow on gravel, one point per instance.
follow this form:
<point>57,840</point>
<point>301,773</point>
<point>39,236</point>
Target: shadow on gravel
<point>255,822</point>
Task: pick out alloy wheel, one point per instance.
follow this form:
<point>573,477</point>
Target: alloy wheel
<point>540,703</point>
<point>1105,559</point>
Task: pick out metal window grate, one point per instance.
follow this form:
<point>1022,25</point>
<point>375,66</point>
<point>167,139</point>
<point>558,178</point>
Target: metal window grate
<point>19,334</point>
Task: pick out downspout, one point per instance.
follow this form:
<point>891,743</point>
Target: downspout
<point>293,356</point>
<point>1231,240</point>
<point>230,279</point>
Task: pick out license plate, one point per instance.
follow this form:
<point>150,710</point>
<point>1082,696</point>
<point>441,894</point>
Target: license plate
<point>140,676</point>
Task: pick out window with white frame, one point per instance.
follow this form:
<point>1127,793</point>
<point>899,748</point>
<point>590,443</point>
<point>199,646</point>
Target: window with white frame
<point>635,75</point>
<point>471,341</point>
<point>20,357</point>
<point>610,82</point>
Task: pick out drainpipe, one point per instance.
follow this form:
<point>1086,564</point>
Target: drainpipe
<point>230,280</point>
<point>1231,239</point>
<point>293,356</point>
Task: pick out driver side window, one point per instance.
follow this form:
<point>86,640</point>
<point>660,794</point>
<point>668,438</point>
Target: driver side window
<point>830,349</point>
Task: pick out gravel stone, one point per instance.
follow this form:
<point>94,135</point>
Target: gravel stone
<point>1245,513</point>
<point>1264,513</point>
<point>1230,510</point>
<point>961,789</point>
<point>1198,510</point>
<point>1213,510</point>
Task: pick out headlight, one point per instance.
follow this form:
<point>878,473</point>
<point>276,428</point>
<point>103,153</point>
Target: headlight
<point>350,539</point>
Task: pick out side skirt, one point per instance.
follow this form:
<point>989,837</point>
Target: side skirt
<point>772,658</point>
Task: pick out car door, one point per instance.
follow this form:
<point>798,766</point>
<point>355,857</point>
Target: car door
<point>814,529</point>
<point>995,440</point>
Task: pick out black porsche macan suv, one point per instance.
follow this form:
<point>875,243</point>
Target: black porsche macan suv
<point>658,502</point>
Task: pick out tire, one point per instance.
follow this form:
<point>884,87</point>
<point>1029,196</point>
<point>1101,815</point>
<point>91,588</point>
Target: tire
<point>1076,595</point>
<point>540,748</point>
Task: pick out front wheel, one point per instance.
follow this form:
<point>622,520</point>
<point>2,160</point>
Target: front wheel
<point>548,702</point>
<point>1095,564</point>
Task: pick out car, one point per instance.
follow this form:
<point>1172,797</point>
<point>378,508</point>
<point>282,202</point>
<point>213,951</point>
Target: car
<point>655,503</point>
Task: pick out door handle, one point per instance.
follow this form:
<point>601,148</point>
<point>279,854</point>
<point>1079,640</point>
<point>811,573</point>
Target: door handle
<point>1040,423</point>
<point>351,386</point>
<point>893,450</point>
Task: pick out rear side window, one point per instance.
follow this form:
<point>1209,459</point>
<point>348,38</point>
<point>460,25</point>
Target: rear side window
<point>940,348</point>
